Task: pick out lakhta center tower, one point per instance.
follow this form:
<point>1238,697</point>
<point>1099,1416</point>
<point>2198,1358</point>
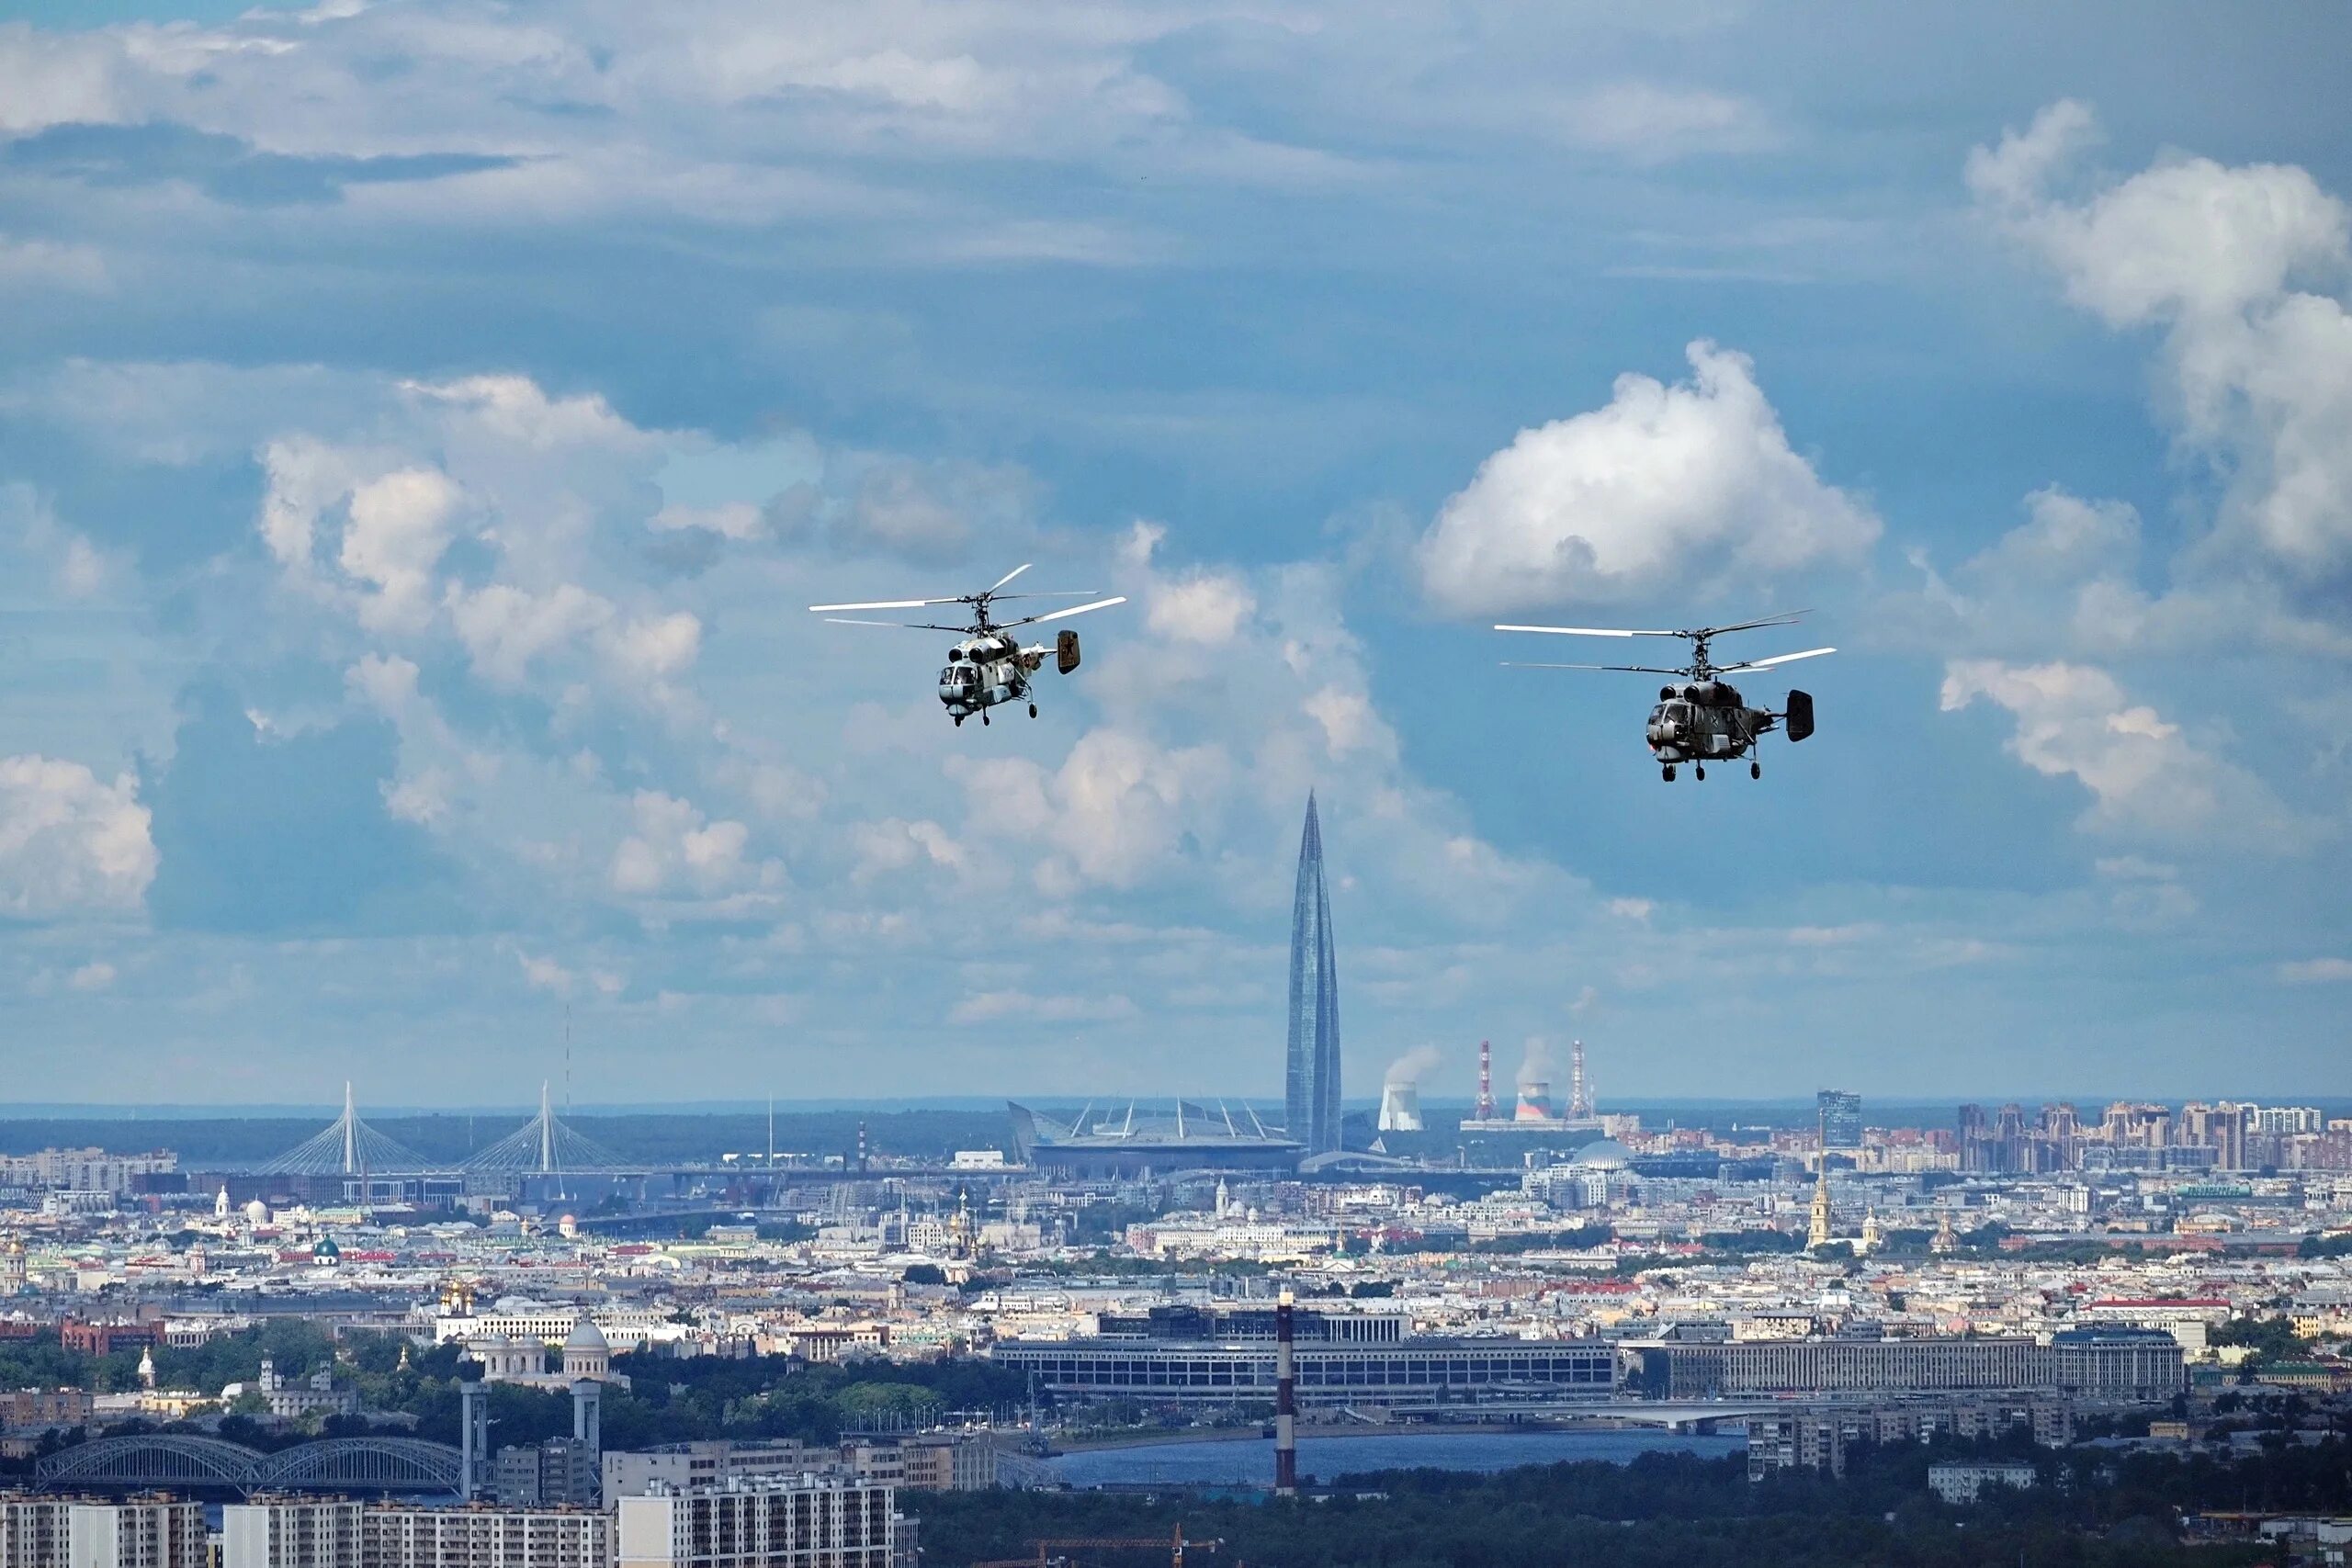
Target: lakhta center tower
<point>1312,1082</point>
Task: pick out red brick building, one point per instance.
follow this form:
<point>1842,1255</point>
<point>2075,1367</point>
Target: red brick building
<point>105,1338</point>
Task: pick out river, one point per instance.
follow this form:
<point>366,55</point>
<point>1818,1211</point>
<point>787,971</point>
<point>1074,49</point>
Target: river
<point>1326,1459</point>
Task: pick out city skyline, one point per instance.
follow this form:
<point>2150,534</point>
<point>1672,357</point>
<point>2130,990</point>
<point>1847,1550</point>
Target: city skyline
<point>534,1035</point>
<point>421,422</point>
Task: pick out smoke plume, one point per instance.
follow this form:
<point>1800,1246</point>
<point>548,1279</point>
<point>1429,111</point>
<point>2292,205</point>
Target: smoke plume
<point>1413,1065</point>
<point>1536,1066</point>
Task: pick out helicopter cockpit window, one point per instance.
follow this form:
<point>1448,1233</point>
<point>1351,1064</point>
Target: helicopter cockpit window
<point>958,675</point>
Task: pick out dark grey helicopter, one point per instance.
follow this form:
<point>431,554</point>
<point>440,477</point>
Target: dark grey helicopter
<point>1705,720</point>
<point>989,667</point>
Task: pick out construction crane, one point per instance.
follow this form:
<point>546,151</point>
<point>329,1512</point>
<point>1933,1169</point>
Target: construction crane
<point>1174,1544</point>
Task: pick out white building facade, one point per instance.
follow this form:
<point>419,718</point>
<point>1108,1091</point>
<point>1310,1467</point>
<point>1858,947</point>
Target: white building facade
<point>798,1522</point>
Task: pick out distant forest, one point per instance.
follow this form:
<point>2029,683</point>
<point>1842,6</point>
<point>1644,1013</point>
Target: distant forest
<point>205,1142</point>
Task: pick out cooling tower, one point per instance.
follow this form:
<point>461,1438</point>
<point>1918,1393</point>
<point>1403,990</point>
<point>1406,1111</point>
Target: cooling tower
<point>1400,1108</point>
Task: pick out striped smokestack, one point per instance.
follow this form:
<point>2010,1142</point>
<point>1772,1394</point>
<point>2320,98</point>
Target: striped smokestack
<point>1285,1401</point>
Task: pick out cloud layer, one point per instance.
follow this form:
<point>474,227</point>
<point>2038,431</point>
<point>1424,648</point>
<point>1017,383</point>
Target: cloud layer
<point>423,423</point>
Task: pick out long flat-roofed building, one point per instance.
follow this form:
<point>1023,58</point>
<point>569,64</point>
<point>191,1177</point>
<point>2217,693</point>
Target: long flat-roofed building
<point>1129,1140</point>
<point>1342,1358</point>
<point>2108,1364</point>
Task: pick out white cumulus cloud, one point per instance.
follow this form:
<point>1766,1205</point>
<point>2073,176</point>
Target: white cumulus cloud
<point>1115,810</point>
<point>1686,484</point>
<point>1203,607</point>
<point>2145,776</point>
<point>399,526</point>
<point>69,842</point>
<point>677,849</point>
<point>2238,267</point>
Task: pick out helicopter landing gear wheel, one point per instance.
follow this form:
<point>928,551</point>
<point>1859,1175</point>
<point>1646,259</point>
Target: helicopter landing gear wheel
<point>1033,710</point>
<point>984,719</point>
<point>959,721</point>
<point>1755,769</point>
<point>1702,772</point>
<point>1668,772</point>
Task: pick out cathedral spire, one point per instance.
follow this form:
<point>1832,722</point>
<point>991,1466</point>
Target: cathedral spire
<point>1820,1233</point>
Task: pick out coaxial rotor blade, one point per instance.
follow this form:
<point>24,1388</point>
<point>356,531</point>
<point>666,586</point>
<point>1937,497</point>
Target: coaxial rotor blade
<point>1587,631</point>
<point>1789,618</point>
<point>1633,668</point>
<point>1048,593</point>
<point>908,626</point>
<point>1073,610</point>
<point>1008,576</point>
<point>886,604</point>
<point>1780,658</point>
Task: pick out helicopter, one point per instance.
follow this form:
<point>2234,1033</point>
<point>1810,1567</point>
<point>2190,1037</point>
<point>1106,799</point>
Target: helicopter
<point>1707,719</point>
<point>990,668</point>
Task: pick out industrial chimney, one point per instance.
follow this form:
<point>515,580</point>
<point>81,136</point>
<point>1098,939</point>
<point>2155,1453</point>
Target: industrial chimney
<point>1286,1400</point>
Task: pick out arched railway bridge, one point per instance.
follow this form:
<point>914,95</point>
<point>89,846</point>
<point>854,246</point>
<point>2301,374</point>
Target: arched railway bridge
<point>177,1462</point>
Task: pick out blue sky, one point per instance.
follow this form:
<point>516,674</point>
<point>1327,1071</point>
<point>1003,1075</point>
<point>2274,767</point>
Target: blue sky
<point>421,424</point>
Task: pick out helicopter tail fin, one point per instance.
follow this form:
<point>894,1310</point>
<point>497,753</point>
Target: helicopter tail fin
<point>1800,714</point>
<point>1066,651</point>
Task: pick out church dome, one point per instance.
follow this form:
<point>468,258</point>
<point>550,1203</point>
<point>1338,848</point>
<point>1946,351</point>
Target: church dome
<point>586,1335</point>
<point>1603,1154</point>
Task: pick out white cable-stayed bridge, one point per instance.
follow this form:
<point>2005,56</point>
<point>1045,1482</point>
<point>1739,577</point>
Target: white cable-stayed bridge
<point>545,1146</point>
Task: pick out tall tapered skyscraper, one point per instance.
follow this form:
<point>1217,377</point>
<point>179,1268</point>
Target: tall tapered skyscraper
<point>1312,1083</point>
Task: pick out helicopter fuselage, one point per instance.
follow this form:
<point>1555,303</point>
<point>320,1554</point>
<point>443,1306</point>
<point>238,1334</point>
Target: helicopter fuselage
<point>986,671</point>
<point>1704,721</point>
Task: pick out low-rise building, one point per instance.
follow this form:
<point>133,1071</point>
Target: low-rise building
<point>35,1408</point>
<point>713,1462</point>
<point>933,1461</point>
<point>1965,1483</point>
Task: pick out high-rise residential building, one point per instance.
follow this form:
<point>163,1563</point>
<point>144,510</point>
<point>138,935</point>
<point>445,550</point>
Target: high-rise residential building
<point>769,1522</point>
<point>156,1531</point>
<point>1311,1084</point>
<point>282,1531</point>
<point>292,1532</point>
<point>1841,1119</point>
<point>34,1529</point>
<point>560,1470</point>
